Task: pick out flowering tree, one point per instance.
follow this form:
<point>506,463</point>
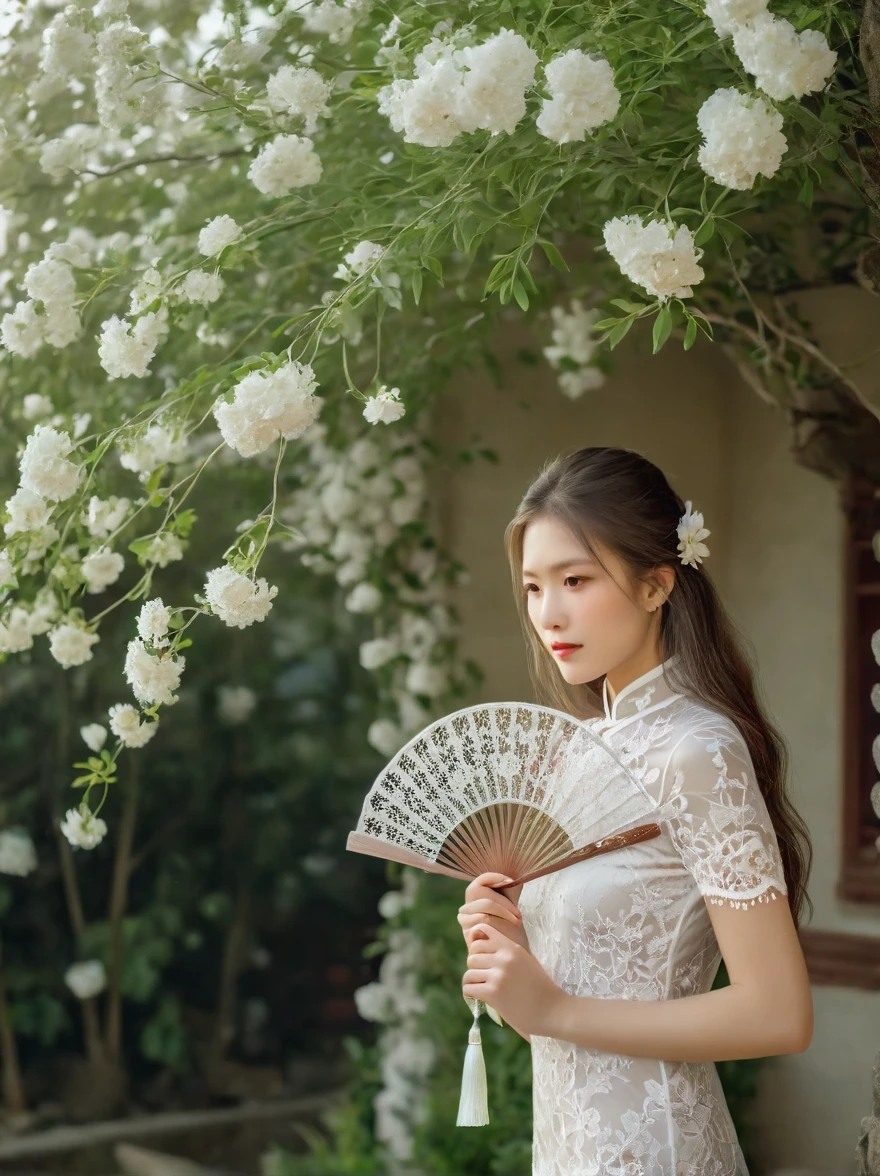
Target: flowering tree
<point>248,241</point>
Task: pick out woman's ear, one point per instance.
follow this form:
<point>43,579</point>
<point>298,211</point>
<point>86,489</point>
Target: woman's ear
<point>658,586</point>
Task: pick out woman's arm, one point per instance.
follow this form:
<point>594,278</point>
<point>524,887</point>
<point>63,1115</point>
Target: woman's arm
<point>521,1032</point>
<point>766,1010</point>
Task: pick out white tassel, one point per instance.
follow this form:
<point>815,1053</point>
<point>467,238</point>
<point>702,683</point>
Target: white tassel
<point>473,1107</point>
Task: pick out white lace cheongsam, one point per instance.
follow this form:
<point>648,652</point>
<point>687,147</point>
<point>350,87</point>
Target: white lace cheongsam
<point>633,924</point>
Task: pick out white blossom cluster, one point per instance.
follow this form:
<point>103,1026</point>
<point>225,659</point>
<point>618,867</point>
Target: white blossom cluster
<point>662,258</point>
<point>268,405</point>
<point>219,232</point>
<point>127,348</point>
<point>44,467</point>
<point>104,517</point>
<point>299,91</point>
<point>237,599</point>
<point>742,137</point>
<point>51,284</point>
<point>153,674</point>
<point>79,147</point>
<point>285,163</point>
<point>573,348</point>
<point>384,407</point>
<point>153,622</point>
<point>351,511</point>
<point>20,623</point>
<point>101,568</point>
<point>235,704</point>
<point>582,96</point>
<point>358,260</point>
<point>394,1000</point>
<point>83,829</point>
<point>48,476</point>
<point>783,62</point>
<point>94,736</point>
<point>462,87</point>
<point>742,133</point>
<point>158,445</point>
<point>334,19</point>
<point>164,548</point>
<point>18,854</point>
<point>128,727</point>
<point>70,643</point>
<point>67,45</point>
<point>102,49</point>
<point>86,979</point>
<point>365,256</point>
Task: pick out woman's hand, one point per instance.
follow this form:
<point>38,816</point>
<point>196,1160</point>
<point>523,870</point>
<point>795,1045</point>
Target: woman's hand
<point>484,905</point>
<point>511,980</point>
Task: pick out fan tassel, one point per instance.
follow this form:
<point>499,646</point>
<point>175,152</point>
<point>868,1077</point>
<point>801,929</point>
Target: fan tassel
<point>473,1107</point>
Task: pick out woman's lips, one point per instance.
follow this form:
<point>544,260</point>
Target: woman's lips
<point>564,650</point>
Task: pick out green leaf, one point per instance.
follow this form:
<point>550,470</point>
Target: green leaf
<point>497,274</point>
<point>705,233</point>
<point>808,17</point>
<point>629,307</point>
<point>830,151</point>
<point>183,521</point>
<point>605,187</point>
<point>662,327</point>
<point>553,255</point>
<point>527,279</point>
<point>619,331</point>
<point>730,230</point>
<point>519,293</point>
<point>250,364</point>
<point>435,267</point>
<point>416,283</point>
<point>805,196</point>
<point>690,334</point>
<point>605,324</point>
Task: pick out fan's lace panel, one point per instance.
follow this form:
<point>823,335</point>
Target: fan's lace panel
<point>633,925</point>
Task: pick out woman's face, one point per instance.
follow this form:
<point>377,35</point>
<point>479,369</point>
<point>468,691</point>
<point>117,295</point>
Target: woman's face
<point>608,617</point>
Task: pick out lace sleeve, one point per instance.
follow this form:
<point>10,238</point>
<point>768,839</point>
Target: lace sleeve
<point>718,819</point>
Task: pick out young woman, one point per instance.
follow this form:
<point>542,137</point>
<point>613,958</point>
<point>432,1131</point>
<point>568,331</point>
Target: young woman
<point>606,966</point>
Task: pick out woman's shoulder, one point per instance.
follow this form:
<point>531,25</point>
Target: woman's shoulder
<point>697,725</point>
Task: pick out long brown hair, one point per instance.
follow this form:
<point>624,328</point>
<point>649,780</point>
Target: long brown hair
<point>623,500</point>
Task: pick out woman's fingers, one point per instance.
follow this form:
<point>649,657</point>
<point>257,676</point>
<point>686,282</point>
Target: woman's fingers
<point>490,906</point>
<point>475,893</point>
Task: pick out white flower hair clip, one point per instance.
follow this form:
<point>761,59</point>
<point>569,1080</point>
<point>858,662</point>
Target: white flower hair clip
<point>691,532</point>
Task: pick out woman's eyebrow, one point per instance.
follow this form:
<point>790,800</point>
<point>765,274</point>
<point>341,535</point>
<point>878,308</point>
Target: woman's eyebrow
<point>566,563</point>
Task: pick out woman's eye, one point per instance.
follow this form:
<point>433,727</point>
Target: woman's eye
<point>527,587</point>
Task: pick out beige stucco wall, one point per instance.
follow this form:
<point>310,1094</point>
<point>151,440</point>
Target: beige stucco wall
<point>776,555</point>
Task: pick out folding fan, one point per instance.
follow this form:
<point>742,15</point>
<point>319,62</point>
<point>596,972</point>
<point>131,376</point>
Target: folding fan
<point>511,787</point>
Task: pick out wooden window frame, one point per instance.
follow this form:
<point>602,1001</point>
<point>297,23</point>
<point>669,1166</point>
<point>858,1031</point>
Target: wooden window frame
<point>859,878</point>
<point>835,957</point>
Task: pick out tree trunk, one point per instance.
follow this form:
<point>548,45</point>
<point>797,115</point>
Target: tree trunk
<point>834,435</point>
<point>13,1087</point>
<point>116,913</point>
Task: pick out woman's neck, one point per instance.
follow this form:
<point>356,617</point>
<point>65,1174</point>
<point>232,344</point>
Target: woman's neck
<point>621,676</point>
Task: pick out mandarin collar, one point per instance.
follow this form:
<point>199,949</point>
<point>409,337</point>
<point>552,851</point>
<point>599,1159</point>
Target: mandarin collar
<point>649,690</point>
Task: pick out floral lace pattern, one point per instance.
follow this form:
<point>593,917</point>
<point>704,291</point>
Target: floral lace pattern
<point>634,925</point>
